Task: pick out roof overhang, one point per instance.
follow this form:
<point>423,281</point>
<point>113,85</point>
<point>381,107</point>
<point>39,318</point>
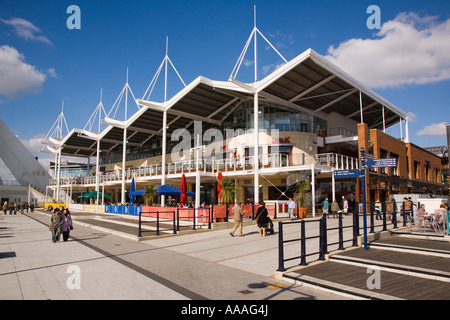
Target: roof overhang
<point>318,87</point>
<point>309,83</point>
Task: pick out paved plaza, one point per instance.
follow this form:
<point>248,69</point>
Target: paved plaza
<point>198,266</point>
<point>103,260</point>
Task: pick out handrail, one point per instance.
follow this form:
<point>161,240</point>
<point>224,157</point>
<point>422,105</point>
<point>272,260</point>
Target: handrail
<point>323,233</point>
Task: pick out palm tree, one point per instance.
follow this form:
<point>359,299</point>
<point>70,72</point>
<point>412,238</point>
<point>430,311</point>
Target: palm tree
<point>302,190</point>
<point>150,195</point>
<point>228,190</point>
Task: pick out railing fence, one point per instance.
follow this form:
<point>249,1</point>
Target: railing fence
<point>389,220</point>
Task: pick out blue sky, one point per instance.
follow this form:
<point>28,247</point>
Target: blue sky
<point>206,38</point>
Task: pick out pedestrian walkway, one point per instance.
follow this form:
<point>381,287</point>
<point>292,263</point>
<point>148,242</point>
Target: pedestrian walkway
<point>204,264</point>
<point>409,268</point>
<point>190,266</point>
<point>128,225</point>
<point>34,268</point>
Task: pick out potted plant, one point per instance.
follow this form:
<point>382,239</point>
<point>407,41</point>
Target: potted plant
<point>228,190</point>
<point>150,195</point>
<point>302,190</point>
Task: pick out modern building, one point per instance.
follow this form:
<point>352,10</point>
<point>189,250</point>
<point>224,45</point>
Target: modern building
<point>24,166</point>
<point>301,122</point>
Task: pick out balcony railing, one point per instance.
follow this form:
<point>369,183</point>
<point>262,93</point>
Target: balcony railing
<point>236,165</point>
<point>338,161</point>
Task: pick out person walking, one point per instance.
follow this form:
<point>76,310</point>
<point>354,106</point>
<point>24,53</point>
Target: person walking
<point>291,207</point>
<point>5,207</point>
<point>345,205</point>
<point>406,208</point>
<point>335,208</point>
<point>55,225</point>
<point>262,219</point>
<point>66,224</point>
<point>325,206</point>
<point>238,219</point>
<point>378,212</point>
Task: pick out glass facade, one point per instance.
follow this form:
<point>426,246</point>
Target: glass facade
<point>271,116</point>
<point>71,170</point>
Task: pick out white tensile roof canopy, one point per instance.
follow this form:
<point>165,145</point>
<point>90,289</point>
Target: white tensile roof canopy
<point>308,83</point>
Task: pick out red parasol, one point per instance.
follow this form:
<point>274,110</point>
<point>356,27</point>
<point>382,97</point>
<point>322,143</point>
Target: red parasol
<point>183,190</point>
<point>219,187</point>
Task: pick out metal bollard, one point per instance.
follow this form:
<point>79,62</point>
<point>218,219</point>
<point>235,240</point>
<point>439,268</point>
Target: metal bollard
<point>303,244</point>
<point>174,224</point>
<point>280,248</point>
<point>322,238</point>
<point>325,235</point>
<point>209,217</point>
<point>178,219</point>
<point>372,222</point>
<point>355,225</point>
<point>394,215</point>
<point>193,218</point>
<point>157,222</point>
<point>139,230</point>
<point>341,234</point>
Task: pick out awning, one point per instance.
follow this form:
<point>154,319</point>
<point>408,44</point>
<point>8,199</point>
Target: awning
<point>164,190</point>
<point>93,194</point>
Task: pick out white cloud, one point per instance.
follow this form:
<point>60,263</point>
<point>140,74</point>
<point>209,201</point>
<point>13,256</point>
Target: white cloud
<point>16,76</point>
<point>411,116</point>
<point>283,41</point>
<point>52,73</point>
<point>248,63</point>
<point>270,68</point>
<point>26,30</point>
<point>409,50</point>
<point>435,129</point>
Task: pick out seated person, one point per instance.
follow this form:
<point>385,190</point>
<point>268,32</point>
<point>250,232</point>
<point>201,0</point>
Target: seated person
<point>440,214</point>
<point>421,214</point>
<point>421,211</point>
<point>441,211</point>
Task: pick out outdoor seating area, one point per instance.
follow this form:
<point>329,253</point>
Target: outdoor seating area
<point>434,221</point>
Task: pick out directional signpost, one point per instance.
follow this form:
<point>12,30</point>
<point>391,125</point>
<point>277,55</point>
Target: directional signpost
<point>372,163</point>
<point>344,174</point>
<point>381,163</point>
<point>367,161</point>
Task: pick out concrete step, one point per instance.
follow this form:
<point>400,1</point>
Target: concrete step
<point>385,265</point>
<point>412,269</point>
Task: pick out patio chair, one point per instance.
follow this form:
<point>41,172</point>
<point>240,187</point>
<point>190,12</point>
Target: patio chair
<point>432,222</point>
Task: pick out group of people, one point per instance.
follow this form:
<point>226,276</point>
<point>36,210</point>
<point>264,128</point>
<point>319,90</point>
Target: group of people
<point>440,213</point>
<point>60,222</point>
<point>334,208</point>
<point>262,219</point>
<point>14,207</point>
